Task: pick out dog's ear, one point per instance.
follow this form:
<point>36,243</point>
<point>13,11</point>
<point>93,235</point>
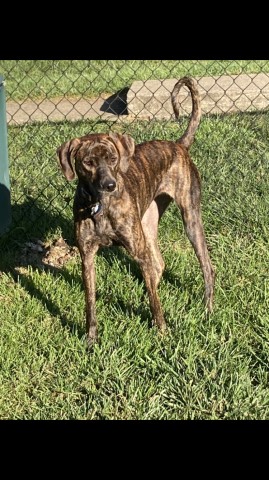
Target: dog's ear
<point>126,147</point>
<point>66,154</point>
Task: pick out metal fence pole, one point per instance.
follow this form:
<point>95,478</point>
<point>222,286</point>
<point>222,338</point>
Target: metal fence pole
<point>5,205</point>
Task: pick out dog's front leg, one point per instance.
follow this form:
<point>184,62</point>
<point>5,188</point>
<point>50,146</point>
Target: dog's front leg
<point>88,273</point>
<point>87,253</point>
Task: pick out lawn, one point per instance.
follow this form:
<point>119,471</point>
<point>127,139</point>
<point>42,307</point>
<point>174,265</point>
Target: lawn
<point>89,78</point>
<point>204,368</point>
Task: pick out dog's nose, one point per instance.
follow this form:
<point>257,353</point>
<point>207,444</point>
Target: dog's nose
<point>109,185</point>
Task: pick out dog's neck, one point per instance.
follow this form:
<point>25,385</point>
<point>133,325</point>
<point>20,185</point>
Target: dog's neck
<point>88,202</point>
<point>93,204</point>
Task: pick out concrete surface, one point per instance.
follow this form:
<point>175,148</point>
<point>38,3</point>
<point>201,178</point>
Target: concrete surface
<point>222,94</point>
<point>55,109</point>
<point>145,100</point>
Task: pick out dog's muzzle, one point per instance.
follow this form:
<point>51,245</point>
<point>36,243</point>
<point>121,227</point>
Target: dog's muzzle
<point>105,181</point>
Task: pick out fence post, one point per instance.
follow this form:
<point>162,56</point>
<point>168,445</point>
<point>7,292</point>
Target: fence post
<point>5,205</point>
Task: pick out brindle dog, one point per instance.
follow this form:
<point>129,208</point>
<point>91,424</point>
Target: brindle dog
<point>123,190</point>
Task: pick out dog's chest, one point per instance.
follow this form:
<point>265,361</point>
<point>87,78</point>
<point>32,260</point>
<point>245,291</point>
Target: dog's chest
<point>104,231</point>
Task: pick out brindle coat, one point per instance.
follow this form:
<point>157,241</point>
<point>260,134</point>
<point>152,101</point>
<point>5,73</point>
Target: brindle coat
<point>122,192</point>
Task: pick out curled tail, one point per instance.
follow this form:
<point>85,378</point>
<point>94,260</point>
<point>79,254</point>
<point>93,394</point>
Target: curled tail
<point>187,138</point>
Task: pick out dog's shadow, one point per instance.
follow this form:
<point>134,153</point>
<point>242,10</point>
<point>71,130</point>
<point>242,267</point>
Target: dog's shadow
<point>127,263</point>
<point>110,255</point>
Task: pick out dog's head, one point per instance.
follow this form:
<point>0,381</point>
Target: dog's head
<point>96,159</point>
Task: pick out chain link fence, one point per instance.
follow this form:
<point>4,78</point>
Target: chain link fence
<point>49,102</point>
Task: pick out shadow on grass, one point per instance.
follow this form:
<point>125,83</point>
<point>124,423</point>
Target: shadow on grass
<point>31,222</point>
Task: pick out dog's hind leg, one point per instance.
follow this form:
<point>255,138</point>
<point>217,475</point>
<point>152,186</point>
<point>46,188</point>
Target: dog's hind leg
<point>188,201</point>
<point>150,223</point>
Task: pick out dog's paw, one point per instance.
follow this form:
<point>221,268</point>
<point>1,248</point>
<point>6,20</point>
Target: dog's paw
<point>160,325</point>
<point>209,306</point>
<point>91,341</point>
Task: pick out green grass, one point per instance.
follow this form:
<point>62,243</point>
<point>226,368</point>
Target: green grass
<point>47,78</point>
<point>204,368</point>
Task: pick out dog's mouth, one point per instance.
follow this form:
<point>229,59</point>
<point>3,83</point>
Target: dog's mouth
<point>91,193</point>
<point>98,191</point>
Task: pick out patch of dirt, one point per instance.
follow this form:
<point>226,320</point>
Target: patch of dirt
<point>45,255</point>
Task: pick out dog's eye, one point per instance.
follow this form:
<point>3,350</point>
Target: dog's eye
<point>88,161</point>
